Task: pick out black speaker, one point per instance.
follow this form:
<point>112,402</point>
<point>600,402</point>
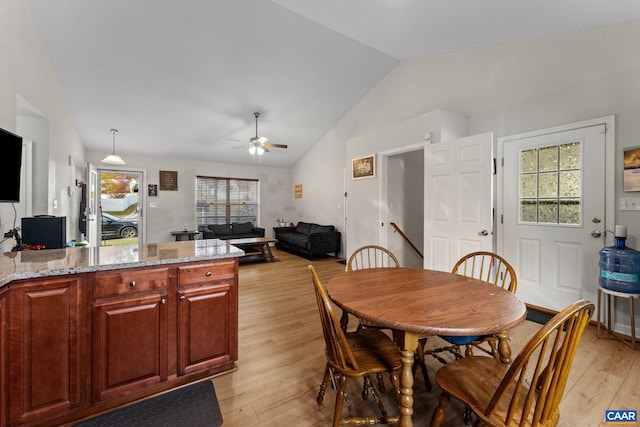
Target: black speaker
<point>50,231</point>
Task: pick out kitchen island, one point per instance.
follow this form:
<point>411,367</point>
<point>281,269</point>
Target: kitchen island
<point>86,330</point>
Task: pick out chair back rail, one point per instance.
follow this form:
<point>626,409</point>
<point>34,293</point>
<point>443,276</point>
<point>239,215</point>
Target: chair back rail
<point>372,256</point>
<point>489,267</point>
<point>537,377</point>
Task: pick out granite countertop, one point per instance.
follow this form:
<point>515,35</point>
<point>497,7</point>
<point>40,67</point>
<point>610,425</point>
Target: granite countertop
<point>56,262</point>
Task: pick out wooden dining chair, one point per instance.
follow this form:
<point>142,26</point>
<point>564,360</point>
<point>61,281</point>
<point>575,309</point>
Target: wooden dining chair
<point>354,355</point>
<point>526,393</point>
<point>488,267</point>
<point>369,256</point>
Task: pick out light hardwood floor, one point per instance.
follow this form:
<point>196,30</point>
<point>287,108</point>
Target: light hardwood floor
<point>281,359</point>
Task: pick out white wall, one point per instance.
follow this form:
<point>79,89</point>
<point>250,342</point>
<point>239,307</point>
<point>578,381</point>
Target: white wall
<point>508,88</point>
<point>174,209</point>
<point>26,74</point>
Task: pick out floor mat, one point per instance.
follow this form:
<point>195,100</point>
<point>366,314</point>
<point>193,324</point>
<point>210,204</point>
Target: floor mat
<point>195,405</point>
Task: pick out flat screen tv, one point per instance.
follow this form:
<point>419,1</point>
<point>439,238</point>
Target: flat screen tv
<point>11,150</point>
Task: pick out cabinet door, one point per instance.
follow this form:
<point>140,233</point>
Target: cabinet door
<point>45,348</point>
<point>4,351</point>
<point>129,344</point>
<point>207,327</point>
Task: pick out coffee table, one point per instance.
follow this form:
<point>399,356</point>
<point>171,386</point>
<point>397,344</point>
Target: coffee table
<point>255,248</point>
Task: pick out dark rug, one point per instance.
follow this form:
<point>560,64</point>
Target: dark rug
<point>195,405</point>
<point>538,316</point>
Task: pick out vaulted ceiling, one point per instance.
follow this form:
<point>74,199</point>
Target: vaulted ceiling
<point>182,78</point>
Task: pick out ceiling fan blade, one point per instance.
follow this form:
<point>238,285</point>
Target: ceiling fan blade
<point>276,145</point>
<point>235,140</point>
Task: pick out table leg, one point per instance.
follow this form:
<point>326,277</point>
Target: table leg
<point>504,348</point>
<point>270,253</point>
<point>406,379</point>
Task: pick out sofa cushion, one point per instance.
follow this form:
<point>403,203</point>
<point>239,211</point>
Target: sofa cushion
<point>303,228</point>
<point>221,229</point>
<point>315,228</point>
<point>242,228</point>
<point>297,239</point>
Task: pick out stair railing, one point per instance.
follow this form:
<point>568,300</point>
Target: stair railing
<point>404,236</point>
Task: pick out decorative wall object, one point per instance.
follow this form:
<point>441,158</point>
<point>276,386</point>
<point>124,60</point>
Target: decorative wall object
<point>298,191</point>
<point>632,169</point>
<point>168,181</point>
<point>364,167</point>
<point>153,190</point>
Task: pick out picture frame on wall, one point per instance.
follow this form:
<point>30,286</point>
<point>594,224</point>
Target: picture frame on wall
<point>153,190</point>
<point>632,169</point>
<point>363,167</point>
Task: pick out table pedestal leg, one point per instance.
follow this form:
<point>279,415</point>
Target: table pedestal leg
<point>504,348</point>
<point>406,380</point>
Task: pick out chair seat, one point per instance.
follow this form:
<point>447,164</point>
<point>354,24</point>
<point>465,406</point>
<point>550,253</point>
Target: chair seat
<point>374,351</point>
<point>454,377</point>
<point>455,340</point>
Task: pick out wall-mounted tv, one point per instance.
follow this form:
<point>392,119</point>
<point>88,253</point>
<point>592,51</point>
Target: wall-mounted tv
<point>11,150</point>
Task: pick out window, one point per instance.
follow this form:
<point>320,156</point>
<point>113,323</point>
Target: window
<point>226,200</point>
<point>550,183</point>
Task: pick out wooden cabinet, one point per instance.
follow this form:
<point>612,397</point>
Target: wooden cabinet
<point>75,345</point>
<point>129,331</point>
<point>4,351</point>
<point>207,316</point>
<point>46,321</point>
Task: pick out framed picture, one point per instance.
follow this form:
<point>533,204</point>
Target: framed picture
<point>298,191</point>
<point>168,181</point>
<point>363,167</point>
<point>153,190</point>
<point>632,169</point>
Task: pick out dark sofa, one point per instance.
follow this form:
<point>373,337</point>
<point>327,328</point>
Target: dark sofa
<point>308,239</point>
<point>241,230</point>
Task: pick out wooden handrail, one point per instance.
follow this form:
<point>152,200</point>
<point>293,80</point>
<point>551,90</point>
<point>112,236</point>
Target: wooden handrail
<point>404,236</point>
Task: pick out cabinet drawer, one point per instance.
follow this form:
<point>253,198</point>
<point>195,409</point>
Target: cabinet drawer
<point>207,272</point>
<point>116,283</point>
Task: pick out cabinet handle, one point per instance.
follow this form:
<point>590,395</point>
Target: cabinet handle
<point>182,298</point>
<point>132,284</point>
<point>163,301</point>
<point>208,274</point>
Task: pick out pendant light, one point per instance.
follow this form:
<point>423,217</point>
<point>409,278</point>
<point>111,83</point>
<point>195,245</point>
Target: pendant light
<point>113,158</point>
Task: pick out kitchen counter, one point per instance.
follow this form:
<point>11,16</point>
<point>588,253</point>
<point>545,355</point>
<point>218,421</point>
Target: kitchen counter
<point>87,330</point>
<point>55,262</point>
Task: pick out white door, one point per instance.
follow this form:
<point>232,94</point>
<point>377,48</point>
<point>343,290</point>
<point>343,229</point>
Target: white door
<point>92,207</point>
<point>458,200</point>
<point>553,209</point>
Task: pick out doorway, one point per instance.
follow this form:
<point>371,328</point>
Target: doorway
<point>403,203</point>
<point>556,203</point>
<point>118,199</point>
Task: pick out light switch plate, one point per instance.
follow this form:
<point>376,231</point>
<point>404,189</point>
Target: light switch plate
<point>630,204</point>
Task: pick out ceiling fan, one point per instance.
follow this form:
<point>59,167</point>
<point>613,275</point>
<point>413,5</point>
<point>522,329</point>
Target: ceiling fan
<point>258,145</point>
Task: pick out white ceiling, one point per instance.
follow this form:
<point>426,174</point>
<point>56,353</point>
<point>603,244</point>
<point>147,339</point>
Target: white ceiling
<point>179,78</point>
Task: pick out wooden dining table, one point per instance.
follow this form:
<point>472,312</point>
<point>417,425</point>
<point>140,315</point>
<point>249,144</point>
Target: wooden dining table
<point>425,303</point>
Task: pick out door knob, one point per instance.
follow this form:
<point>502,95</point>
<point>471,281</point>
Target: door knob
<point>596,233</point>
<point>483,233</point>
<point>596,220</point>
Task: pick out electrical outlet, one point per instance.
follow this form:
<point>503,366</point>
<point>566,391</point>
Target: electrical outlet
<point>630,204</point>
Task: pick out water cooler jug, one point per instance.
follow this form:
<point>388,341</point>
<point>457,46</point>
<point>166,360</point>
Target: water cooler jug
<point>620,265</point>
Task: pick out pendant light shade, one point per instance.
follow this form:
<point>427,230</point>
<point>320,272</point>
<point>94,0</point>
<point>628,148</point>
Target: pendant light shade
<point>113,158</point>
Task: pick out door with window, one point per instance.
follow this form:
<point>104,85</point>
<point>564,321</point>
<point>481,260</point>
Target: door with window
<point>553,211</point>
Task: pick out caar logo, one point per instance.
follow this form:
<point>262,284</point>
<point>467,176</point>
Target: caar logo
<point>620,416</point>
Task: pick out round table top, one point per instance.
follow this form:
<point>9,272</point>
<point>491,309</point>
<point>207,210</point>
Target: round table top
<point>427,302</point>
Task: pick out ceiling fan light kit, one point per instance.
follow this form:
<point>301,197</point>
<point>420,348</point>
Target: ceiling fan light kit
<point>258,144</point>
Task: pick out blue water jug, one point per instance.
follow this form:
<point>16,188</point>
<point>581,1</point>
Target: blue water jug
<point>620,266</point>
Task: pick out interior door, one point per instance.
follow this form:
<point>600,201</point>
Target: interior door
<point>92,207</point>
<point>458,199</point>
<point>553,208</point>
